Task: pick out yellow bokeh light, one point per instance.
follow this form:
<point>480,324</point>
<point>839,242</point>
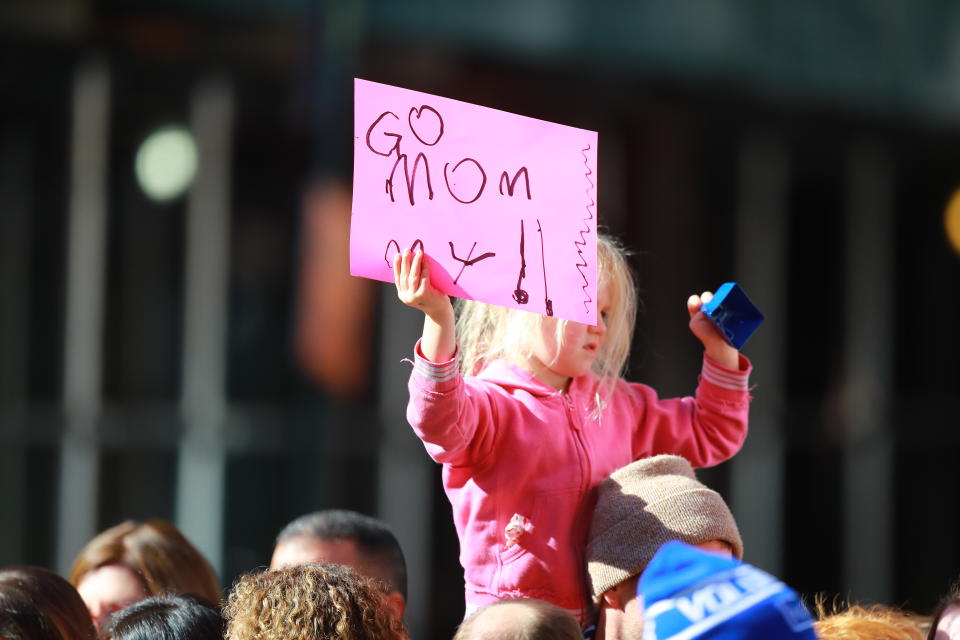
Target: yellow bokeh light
<point>951,221</point>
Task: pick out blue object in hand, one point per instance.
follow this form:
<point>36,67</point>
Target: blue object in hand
<point>733,313</point>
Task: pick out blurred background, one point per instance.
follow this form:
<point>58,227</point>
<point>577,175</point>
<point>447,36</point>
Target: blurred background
<point>179,337</point>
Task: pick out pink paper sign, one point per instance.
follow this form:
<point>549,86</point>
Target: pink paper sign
<point>503,205</point>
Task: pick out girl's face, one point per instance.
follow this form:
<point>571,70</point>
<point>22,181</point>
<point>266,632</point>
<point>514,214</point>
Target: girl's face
<point>556,363</point>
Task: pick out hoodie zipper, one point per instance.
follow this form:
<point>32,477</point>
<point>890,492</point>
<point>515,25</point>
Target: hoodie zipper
<point>578,531</point>
<point>576,424</point>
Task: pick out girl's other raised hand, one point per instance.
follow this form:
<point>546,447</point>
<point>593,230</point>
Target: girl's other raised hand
<point>715,346</point>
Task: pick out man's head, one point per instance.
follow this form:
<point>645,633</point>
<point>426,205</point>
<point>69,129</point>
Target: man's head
<point>348,538</point>
<point>639,508</point>
<point>520,619</point>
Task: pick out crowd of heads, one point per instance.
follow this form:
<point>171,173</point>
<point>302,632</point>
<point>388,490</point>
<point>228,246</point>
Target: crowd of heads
<point>663,561</point>
<point>334,575</point>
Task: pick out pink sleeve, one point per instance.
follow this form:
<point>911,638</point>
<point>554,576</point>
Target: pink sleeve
<point>453,416</point>
<point>706,429</point>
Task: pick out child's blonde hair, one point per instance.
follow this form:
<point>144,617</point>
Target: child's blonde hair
<point>487,332</point>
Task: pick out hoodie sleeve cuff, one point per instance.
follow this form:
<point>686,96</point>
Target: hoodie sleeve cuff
<point>735,380</point>
<point>436,372</point>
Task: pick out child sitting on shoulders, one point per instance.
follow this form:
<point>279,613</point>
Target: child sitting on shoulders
<point>541,414</point>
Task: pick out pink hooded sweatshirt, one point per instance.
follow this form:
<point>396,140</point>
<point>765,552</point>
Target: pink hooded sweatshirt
<point>520,458</point>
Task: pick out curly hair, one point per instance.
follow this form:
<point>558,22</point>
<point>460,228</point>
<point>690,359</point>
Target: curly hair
<point>310,602</point>
<point>867,622</point>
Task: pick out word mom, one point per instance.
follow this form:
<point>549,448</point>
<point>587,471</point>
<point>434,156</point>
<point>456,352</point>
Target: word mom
<point>426,125</point>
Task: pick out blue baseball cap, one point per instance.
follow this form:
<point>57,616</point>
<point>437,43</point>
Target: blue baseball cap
<point>689,593</point>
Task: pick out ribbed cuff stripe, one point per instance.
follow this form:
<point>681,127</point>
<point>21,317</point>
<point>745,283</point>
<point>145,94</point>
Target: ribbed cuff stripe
<point>724,378</point>
<point>436,372</point>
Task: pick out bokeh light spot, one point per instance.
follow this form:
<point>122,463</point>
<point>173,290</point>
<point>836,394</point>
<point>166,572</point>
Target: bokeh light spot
<point>951,221</point>
<point>166,163</point>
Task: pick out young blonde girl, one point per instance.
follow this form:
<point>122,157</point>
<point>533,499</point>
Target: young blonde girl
<point>540,414</point>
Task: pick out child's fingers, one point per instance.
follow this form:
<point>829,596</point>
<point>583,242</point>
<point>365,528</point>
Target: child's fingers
<point>695,302</point>
<point>396,270</point>
<point>415,269</point>
<point>405,269</point>
<point>424,268</point>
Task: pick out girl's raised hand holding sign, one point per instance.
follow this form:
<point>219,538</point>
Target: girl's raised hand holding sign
<point>411,274</point>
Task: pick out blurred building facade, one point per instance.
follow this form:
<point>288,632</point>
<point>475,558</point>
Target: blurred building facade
<point>152,356</point>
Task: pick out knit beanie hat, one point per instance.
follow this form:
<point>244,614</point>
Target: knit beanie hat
<point>688,594</point>
<point>644,505</point>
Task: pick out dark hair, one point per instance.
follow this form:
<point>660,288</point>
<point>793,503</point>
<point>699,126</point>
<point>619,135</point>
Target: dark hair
<point>37,604</point>
<point>543,621</point>
<point>951,599</point>
<point>373,538</point>
<point>157,552</point>
<point>169,617</point>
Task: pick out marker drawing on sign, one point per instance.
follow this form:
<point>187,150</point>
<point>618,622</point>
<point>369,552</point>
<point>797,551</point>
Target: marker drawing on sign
<point>580,244</point>
<point>427,126</point>
<point>393,242</point>
<point>447,172</point>
<point>512,184</point>
<point>396,144</point>
<point>519,295</point>
<point>409,178</point>
<point>483,183</point>
<point>547,302</point>
<point>419,113</point>
<point>468,262</point>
